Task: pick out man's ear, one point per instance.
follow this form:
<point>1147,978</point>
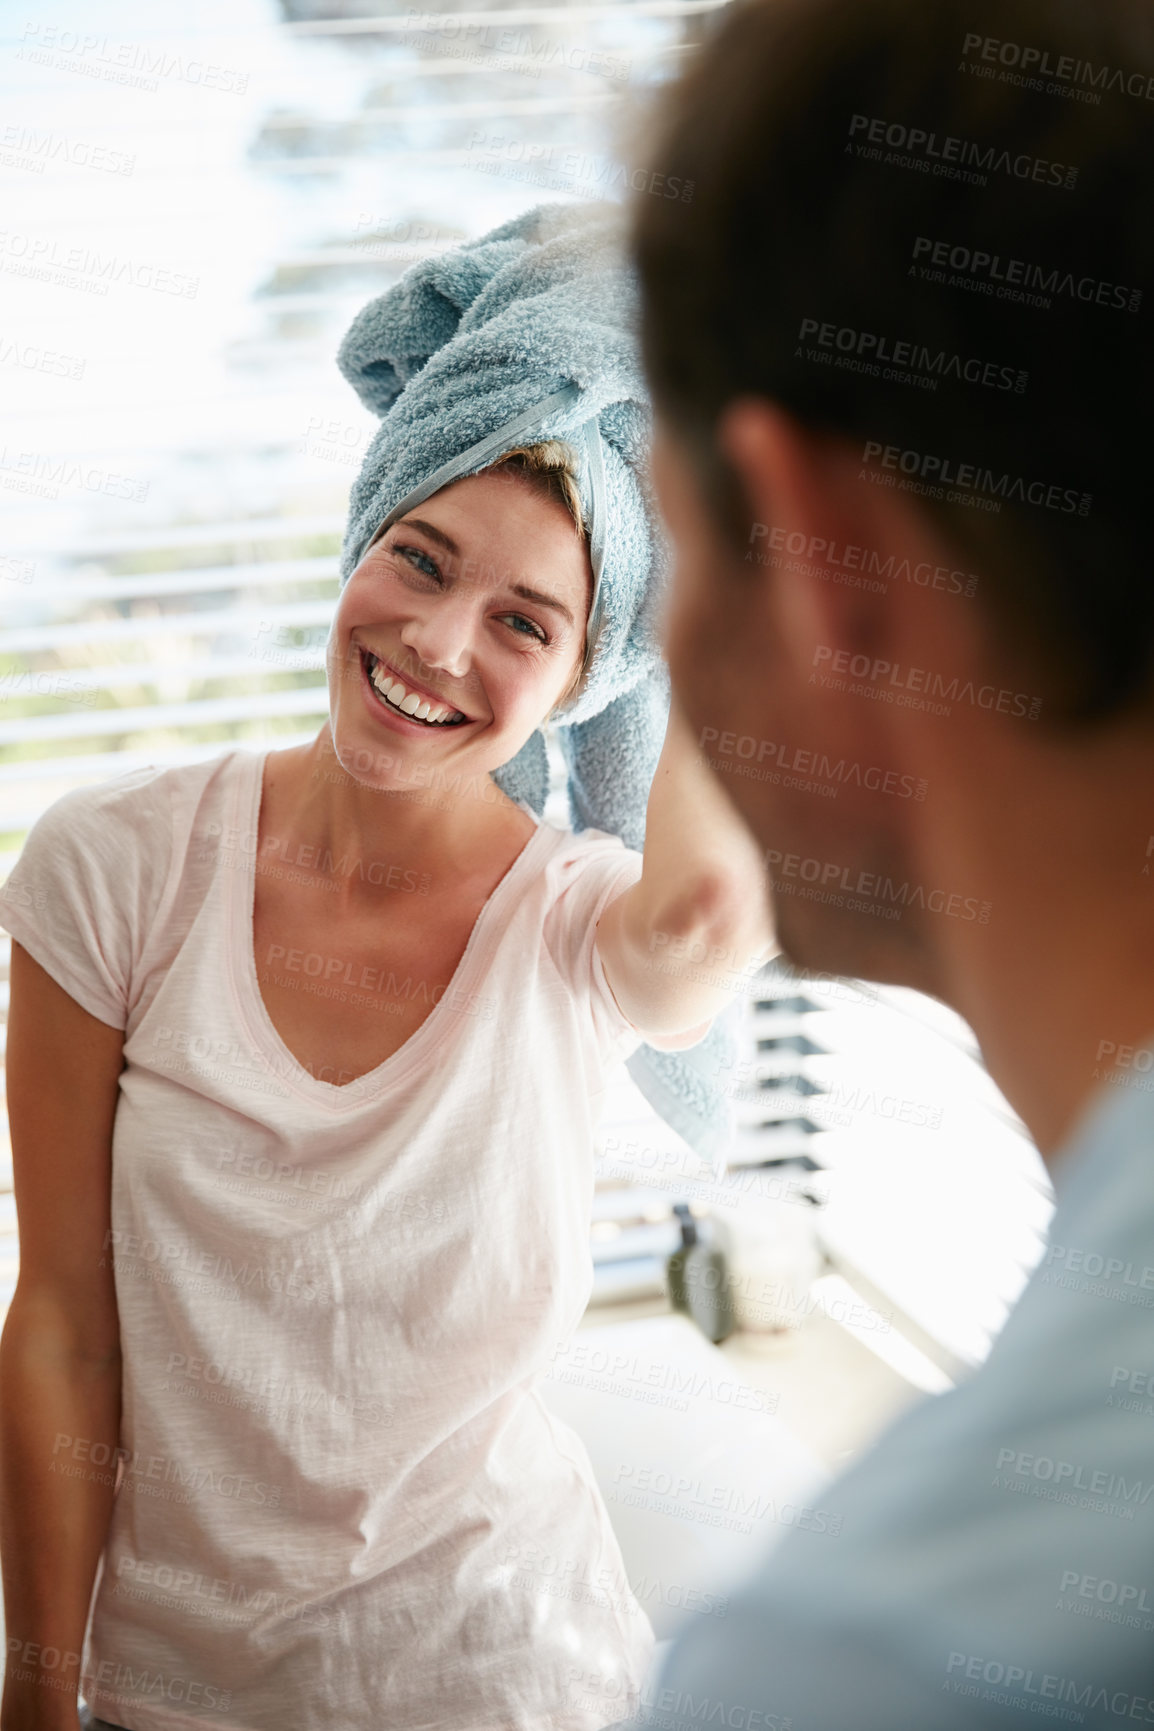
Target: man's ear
<point>803,492</point>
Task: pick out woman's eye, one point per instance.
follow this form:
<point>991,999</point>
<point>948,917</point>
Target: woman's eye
<point>414,556</point>
<point>420,561</point>
<point>535,630</point>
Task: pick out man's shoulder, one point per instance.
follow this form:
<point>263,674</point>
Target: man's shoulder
<point>986,1509</point>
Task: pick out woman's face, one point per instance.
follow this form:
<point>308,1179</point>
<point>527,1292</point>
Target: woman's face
<point>476,600</point>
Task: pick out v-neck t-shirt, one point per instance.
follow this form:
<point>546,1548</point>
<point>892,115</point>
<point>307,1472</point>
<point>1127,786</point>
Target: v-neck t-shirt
<point>344,1502</point>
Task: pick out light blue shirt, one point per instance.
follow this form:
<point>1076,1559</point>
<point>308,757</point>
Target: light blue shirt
<point>994,1564</point>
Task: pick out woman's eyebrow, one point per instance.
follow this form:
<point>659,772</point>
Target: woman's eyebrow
<point>522,589</point>
<point>431,530</point>
<point>542,600</point>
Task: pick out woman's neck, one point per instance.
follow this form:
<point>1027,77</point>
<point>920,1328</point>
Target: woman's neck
<point>436,826</point>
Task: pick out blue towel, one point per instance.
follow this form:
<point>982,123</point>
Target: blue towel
<point>528,333</point>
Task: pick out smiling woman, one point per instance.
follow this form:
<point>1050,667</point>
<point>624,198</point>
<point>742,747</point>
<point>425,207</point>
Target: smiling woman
<point>334,1023</point>
<point>467,565</point>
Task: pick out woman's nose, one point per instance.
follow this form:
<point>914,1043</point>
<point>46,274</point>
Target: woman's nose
<point>441,634</point>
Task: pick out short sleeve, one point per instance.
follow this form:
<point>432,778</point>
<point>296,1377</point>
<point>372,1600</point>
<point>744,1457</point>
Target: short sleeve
<point>588,872</point>
<point>83,895</point>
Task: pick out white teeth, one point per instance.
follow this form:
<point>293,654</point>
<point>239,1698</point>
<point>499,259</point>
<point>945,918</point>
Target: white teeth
<point>408,702</point>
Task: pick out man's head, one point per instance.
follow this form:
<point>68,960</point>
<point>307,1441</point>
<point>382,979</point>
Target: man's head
<point>898,346</point>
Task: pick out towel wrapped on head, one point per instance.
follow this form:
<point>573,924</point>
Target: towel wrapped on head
<point>528,334</point>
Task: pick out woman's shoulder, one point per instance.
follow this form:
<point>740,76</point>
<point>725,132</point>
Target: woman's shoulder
<point>143,789</point>
<point>125,829</point>
<point>99,872</point>
<point>578,850</point>
<point>585,869</point>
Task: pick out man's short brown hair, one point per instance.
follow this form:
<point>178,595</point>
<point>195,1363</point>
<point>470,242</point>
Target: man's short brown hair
<point>856,167</point>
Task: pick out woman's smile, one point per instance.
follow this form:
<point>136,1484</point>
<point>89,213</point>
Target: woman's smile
<point>402,704</point>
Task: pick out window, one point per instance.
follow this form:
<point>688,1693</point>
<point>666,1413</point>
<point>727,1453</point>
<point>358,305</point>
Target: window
<point>197,205</point>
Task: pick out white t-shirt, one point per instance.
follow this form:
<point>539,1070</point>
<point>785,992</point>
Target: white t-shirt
<point>345,1505</point>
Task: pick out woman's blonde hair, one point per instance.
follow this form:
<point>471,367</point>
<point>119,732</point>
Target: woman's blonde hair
<point>551,466</point>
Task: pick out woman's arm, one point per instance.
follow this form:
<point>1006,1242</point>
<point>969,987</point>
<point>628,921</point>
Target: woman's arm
<point>60,1352</point>
<point>675,947</point>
